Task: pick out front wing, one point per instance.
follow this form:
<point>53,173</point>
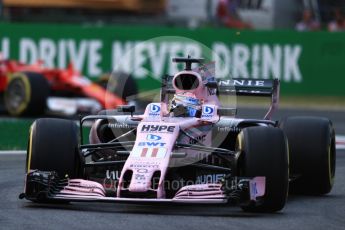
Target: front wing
<point>42,186</point>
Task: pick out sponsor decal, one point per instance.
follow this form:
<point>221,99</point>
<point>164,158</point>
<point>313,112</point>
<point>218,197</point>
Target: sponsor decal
<point>257,83</point>
<point>154,110</point>
<point>144,165</point>
<point>151,144</point>
<point>158,128</point>
<point>229,129</point>
<point>142,170</point>
<point>139,176</point>
<point>111,179</point>
<point>119,126</point>
<point>281,59</point>
<point>152,137</point>
<point>149,152</point>
<point>114,175</point>
<point>207,112</point>
<point>239,59</point>
<point>209,178</point>
<point>191,100</point>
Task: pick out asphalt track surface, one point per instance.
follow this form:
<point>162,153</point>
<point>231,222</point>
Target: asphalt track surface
<point>301,212</point>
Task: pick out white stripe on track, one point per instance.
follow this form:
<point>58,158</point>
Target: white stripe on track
<point>13,152</point>
<point>340,142</point>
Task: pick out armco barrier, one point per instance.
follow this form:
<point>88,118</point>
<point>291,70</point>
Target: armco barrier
<point>307,63</point>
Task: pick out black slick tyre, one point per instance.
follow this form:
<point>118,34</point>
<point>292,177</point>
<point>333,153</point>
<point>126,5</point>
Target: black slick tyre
<point>264,152</point>
<point>312,154</point>
<point>53,146</point>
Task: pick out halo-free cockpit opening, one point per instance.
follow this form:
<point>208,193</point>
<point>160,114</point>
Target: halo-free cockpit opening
<point>186,81</point>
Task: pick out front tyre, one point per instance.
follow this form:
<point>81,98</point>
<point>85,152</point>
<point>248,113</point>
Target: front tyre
<point>53,146</point>
<point>264,152</point>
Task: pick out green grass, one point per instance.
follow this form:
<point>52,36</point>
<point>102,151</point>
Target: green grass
<point>14,133</point>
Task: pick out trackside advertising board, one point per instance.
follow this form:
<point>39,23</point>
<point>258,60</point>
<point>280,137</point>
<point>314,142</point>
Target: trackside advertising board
<point>306,63</point>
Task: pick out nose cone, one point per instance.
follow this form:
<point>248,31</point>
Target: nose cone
<point>148,160</point>
<point>141,181</point>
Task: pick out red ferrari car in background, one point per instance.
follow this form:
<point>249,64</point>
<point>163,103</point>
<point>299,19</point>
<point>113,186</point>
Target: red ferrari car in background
<point>34,89</point>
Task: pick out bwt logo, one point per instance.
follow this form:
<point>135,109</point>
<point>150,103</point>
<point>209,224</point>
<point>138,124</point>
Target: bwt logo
<point>207,110</point>
<point>151,137</point>
<point>151,144</point>
<point>155,108</point>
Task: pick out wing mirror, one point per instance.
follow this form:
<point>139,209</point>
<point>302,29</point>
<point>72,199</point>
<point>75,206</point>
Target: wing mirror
<point>126,109</point>
<point>212,84</point>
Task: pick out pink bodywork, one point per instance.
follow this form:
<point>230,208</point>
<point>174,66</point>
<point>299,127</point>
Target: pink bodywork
<point>200,193</point>
<point>144,160</point>
<point>157,134</point>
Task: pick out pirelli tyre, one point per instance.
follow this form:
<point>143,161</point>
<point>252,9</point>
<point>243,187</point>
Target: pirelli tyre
<point>264,152</point>
<point>312,154</point>
<point>26,94</point>
<point>53,146</point>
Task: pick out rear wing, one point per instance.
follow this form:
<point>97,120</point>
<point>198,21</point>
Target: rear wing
<point>253,87</point>
<point>238,87</point>
<point>248,87</point>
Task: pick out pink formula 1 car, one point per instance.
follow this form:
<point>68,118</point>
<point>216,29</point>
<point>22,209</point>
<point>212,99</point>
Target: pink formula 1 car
<point>187,148</point>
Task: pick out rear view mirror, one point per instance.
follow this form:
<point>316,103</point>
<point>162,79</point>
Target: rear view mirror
<point>212,84</point>
<point>126,109</point>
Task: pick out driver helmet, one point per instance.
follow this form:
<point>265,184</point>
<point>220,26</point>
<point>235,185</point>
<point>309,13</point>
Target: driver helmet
<point>185,105</point>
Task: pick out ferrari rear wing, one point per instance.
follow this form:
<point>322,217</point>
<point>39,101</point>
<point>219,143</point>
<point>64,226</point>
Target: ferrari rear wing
<point>238,87</point>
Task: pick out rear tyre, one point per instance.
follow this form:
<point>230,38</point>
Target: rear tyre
<point>121,84</point>
<point>312,154</point>
<point>264,152</point>
<point>26,94</point>
<point>53,146</point>
<point>124,86</point>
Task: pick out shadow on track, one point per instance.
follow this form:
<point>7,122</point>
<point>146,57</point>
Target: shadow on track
<point>161,209</point>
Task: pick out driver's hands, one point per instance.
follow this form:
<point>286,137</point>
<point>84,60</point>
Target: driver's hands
<point>179,111</point>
